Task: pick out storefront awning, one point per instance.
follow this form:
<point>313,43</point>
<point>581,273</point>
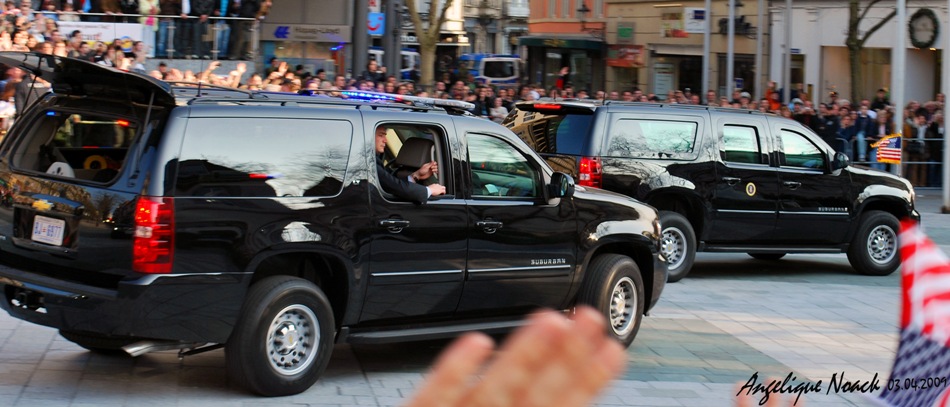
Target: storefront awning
<point>556,41</point>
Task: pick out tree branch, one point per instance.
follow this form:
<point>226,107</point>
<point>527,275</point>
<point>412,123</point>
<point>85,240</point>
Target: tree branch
<point>868,8</point>
<point>436,27</point>
<point>876,27</point>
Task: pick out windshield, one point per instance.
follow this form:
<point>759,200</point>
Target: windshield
<point>500,69</point>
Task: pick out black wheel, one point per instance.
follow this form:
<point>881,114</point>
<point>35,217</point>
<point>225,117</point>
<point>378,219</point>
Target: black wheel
<point>767,256</point>
<point>99,343</point>
<point>613,286</point>
<point>283,339</point>
<point>874,250</point>
<point>678,245</point>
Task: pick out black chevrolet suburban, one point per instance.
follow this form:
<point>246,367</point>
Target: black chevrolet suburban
<point>724,180</point>
<point>145,217</point>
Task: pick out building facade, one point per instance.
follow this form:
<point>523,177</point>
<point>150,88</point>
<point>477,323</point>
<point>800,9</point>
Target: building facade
<point>820,59</point>
<point>314,34</point>
<point>657,46</point>
<point>558,37</point>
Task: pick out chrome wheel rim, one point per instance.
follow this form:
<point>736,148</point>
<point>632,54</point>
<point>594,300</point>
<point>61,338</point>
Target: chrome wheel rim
<point>623,304</point>
<point>292,339</point>
<point>882,244</point>
<point>673,247</point>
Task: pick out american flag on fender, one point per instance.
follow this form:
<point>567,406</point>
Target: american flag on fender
<point>889,149</point>
<point>924,351</point>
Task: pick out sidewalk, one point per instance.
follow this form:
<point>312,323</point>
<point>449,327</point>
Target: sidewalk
<point>935,224</point>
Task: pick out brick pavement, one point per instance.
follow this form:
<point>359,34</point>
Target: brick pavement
<point>811,315</point>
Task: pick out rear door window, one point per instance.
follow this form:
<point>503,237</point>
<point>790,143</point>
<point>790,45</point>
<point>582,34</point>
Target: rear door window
<point>740,144</point>
<point>86,146</point>
<point>255,157</point>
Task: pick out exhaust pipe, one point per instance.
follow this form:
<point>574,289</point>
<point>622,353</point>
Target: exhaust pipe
<point>28,300</point>
<point>143,347</point>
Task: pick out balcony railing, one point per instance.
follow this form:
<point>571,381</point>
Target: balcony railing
<point>167,35</point>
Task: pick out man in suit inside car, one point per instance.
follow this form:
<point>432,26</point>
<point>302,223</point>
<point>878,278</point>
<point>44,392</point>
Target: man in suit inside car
<point>406,188</point>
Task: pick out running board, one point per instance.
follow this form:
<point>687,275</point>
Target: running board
<point>424,333</point>
<point>771,249</point>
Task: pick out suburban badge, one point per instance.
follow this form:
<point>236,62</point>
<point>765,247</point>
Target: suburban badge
<point>547,262</point>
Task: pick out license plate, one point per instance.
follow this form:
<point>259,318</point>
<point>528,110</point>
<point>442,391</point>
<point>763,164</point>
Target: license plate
<point>48,230</point>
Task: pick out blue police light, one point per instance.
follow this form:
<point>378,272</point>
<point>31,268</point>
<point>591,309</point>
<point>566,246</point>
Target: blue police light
<point>361,95</point>
<point>389,97</point>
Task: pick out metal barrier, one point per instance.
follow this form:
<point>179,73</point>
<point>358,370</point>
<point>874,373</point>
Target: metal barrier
<point>216,24</point>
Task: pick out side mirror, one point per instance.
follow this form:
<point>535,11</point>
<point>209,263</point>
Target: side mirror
<point>840,161</point>
<point>561,186</point>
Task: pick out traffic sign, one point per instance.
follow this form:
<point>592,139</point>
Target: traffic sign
<point>376,23</point>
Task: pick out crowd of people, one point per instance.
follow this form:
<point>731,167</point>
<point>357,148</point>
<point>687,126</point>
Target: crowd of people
<point>178,28</point>
<point>853,128</point>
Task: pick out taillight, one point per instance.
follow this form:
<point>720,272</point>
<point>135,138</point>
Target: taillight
<point>590,172</point>
<point>550,107</point>
<point>153,243</point>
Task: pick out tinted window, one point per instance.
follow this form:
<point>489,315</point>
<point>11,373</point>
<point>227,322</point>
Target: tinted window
<point>499,169</point>
<point>798,151</point>
<point>652,139</point>
<point>86,146</point>
<point>740,144</point>
<point>499,69</point>
<point>263,157</point>
<point>555,134</point>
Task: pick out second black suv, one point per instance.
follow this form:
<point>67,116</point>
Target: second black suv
<point>146,217</point>
<point>725,180</point>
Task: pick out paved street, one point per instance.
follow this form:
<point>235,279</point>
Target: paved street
<point>809,315</point>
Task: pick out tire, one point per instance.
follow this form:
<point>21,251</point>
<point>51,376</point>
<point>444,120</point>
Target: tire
<point>614,287</point>
<point>875,250</point>
<point>258,355</point>
<point>678,244</point>
<point>767,256</point>
<point>99,343</point>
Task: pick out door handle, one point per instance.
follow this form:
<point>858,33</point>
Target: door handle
<point>489,226</point>
<point>731,180</point>
<point>394,225</point>
<point>792,184</point>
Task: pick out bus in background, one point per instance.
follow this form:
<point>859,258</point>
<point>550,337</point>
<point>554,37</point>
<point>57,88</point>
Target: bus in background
<point>410,59</point>
<point>491,69</point>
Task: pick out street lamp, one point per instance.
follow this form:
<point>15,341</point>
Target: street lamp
<point>582,15</point>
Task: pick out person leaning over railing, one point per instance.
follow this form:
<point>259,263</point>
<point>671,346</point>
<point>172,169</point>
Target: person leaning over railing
<point>149,10</point>
<point>241,29</point>
<point>165,46</point>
